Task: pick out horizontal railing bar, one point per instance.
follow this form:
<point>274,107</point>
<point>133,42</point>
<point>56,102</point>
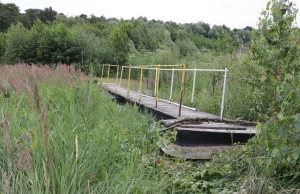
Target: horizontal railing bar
<point>163,100</point>
<point>204,70</point>
<point>110,65</point>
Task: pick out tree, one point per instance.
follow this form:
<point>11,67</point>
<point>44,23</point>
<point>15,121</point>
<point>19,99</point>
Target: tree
<point>9,14</point>
<point>119,41</point>
<point>2,45</point>
<point>33,14</point>
<point>48,15</point>
<point>224,42</point>
<point>16,44</point>
<point>58,45</point>
<point>275,50</point>
<point>25,20</point>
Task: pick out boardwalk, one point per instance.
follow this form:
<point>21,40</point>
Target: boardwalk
<point>195,140</point>
<point>164,107</point>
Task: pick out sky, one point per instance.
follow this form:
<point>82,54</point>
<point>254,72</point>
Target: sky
<point>232,13</point>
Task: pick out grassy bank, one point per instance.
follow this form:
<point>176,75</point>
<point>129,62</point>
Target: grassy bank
<point>69,137</point>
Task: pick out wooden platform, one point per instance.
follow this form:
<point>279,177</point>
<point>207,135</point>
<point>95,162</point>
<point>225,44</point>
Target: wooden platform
<point>167,108</point>
<point>195,140</point>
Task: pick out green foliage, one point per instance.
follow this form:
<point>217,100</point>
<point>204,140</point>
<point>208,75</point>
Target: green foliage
<point>46,15</point>
<point>276,51</point>
<point>16,44</point>
<point>119,41</point>
<point>71,138</point>
<point>58,45</point>
<point>107,40</point>
<point>2,45</point>
<point>224,42</point>
<point>9,14</point>
<point>235,171</point>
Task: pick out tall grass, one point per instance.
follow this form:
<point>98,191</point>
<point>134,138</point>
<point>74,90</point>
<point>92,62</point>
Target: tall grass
<point>69,137</point>
<point>23,76</point>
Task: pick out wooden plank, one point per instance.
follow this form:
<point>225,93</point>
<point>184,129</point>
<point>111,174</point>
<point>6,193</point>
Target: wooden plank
<point>162,106</point>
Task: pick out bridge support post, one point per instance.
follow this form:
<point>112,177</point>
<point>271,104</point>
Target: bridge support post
<point>121,76</point>
<point>223,93</point>
<point>155,82</point>
<point>102,74</point>
<point>128,83</point>
<point>172,81</point>
<point>182,88</point>
<point>117,77</point>
<point>194,83</point>
<point>107,76</point>
<point>141,84</point>
<point>157,85</point>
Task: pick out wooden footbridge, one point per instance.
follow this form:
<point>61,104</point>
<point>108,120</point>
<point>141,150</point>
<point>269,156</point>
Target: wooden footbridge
<point>200,134</point>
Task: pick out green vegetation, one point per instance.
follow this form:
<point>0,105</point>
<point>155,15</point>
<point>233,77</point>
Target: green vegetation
<point>270,162</point>
<point>60,134</point>
<point>67,136</point>
<point>48,37</point>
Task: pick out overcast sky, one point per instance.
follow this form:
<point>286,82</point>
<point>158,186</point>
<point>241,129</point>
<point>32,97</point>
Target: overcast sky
<point>232,13</point>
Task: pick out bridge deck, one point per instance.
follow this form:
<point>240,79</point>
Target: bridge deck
<point>194,141</point>
<point>167,108</point>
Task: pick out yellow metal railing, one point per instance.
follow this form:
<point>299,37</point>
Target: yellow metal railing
<point>108,71</point>
<point>158,67</point>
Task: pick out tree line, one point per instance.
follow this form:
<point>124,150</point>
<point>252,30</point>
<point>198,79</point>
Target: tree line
<point>48,37</point>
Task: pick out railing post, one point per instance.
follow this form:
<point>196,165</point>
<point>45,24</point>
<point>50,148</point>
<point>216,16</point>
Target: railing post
<point>117,77</point>
<point>157,85</point>
<point>128,82</point>
<point>102,74</point>
<point>194,83</point>
<point>223,93</point>
<point>121,75</point>
<point>155,82</point>
<point>141,84</point>
<point>182,88</point>
<point>172,81</point>
<point>107,76</point>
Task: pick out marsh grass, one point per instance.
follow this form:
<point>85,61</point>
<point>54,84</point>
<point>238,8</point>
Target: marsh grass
<point>74,139</point>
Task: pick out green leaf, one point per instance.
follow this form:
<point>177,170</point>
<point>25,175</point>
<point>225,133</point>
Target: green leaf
<point>280,116</point>
<point>295,156</point>
<point>263,78</point>
<point>275,152</point>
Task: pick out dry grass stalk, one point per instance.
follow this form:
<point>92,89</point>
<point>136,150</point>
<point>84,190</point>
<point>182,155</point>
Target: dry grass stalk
<point>46,179</point>
<point>76,144</point>
<point>24,157</point>
<point>45,132</point>
<point>5,128</point>
<point>6,182</point>
<point>25,137</point>
<point>29,95</point>
<point>50,161</point>
<point>15,84</point>
<point>37,99</point>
